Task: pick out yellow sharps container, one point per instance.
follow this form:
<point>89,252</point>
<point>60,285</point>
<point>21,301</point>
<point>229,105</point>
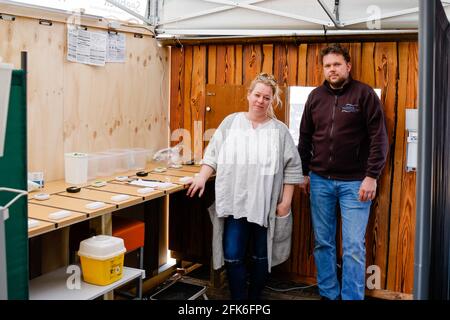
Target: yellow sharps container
<point>102,259</point>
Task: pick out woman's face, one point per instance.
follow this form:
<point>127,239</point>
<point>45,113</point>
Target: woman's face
<point>260,98</point>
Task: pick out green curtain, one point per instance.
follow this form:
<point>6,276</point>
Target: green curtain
<point>13,174</point>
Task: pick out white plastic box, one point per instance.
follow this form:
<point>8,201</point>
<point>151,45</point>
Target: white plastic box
<point>139,158</point>
<point>5,87</point>
<point>123,159</point>
<point>107,163</point>
<point>76,167</point>
<point>93,163</point>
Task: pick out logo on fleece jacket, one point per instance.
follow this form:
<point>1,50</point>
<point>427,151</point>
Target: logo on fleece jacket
<point>350,108</point>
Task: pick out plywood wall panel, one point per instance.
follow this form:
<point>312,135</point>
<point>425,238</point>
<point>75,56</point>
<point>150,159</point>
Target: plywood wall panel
<point>76,107</point>
<point>45,47</point>
<point>119,105</point>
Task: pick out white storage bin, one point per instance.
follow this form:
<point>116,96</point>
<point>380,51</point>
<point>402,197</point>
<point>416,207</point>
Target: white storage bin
<point>139,156</point>
<point>93,163</point>
<point>107,164</point>
<point>76,167</point>
<point>123,159</point>
<point>5,87</point>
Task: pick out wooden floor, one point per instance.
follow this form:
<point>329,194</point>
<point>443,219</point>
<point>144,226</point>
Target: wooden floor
<point>275,289</point>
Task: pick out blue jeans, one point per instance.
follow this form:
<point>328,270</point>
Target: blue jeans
<point>236,236</point>
<point>325,193</point>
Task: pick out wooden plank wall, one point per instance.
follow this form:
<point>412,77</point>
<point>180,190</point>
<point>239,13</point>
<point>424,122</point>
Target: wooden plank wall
<point>76,107</point>
<point>391,66</point>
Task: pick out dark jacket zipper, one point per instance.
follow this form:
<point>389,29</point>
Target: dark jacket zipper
<point>331,130</point>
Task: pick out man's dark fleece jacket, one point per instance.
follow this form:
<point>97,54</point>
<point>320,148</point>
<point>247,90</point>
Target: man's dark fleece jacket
<point>343,132</point>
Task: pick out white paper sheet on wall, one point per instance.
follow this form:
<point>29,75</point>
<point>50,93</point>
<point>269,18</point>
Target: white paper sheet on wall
<point>86,46</point>
<point>116,47</point>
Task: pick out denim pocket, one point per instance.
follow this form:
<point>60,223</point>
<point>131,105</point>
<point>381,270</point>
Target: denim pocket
<point>283,227</point>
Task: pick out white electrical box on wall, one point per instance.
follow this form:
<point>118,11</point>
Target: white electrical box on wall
<point>412,127</point>
<point>5,86</point>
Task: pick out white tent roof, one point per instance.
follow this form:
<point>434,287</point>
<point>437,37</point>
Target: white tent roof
<point>189,18</point>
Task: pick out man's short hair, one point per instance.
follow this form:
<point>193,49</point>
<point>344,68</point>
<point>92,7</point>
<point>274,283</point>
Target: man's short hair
<point>336,49</point>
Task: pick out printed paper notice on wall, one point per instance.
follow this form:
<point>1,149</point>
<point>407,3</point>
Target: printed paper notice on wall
<point>116,47</point>
<point>86,46</point>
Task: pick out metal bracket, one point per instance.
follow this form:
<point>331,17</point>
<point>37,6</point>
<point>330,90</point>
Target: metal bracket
<point>334,19</point>
<point>45,22</point>
<point>7,17</point>
<point>129,11</point>
<point>4,209</point>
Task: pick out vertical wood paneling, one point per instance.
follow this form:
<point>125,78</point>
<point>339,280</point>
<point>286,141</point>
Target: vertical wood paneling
<point>402,221</point>
<point>238,62</point>
<point>221,64</point>
<point>280,69</point>
<point>285,64</point>
<point>252,62</point>
<point>314,75</point>
<point>225,63</point>
<point>177,90</point>
<point>356,59</point>
<point>230,70</point>
<point>302,260</point>
<point>212,52</point>
<point>378,231</point>
<point>188,94</point>
<point>198,82</point>
<point>292,65</point>
<point>368,67</point>
<point>302,64</point>
<point>267,62</point>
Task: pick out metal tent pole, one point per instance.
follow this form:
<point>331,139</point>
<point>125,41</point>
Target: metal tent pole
<point>424,168</point>
<point>3,274</point>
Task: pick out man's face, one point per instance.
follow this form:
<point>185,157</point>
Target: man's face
<point>336,70</point>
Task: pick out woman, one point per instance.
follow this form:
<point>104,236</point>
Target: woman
<point>257,166</point>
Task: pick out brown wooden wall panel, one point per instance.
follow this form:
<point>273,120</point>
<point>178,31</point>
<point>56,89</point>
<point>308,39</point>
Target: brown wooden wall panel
<point>212,54</point>
<point>302,64</point>
<point>385,64</point>
<point>390,66</point>
<point>252,63</point>
<point>177,93</point>
<point>267,58</point>
<point>402,221</point>
<point>238,62</point>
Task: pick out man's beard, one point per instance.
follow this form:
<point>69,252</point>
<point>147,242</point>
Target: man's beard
<point>338,83</point>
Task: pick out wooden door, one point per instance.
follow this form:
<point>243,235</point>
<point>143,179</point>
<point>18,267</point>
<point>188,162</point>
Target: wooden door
<point>222,100</point>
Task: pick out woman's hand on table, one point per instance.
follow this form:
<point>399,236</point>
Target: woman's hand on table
<point>197,184</point>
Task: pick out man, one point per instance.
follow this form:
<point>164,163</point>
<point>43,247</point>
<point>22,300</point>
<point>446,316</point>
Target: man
<point>343,147</point>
